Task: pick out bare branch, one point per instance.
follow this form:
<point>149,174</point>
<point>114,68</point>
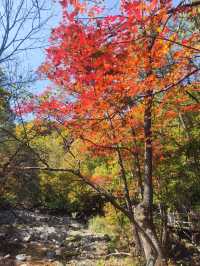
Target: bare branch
<point>20,22</point>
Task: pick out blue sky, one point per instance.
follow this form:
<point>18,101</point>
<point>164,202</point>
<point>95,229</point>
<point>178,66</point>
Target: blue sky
<point>32,59</point>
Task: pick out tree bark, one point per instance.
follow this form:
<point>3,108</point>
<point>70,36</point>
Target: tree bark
<point>137,247</point>
<point>164,231</point>
<point>143,212</point>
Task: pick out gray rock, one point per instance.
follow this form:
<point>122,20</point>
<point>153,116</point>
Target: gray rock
<point>51,254</point>
<point>43,236</point>
<point>70,245</point>
<point>2,235</point>
<point>66,220</point>
<point>7,217</point>
<point>75,225</point>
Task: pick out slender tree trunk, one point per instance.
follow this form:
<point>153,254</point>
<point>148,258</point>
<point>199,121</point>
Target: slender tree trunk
<point>137,164</point>
<point>143,212</point>
<point>137,247</point>
<point>164,231</point>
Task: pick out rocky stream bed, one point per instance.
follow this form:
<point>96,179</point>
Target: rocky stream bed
<point>31,238</point>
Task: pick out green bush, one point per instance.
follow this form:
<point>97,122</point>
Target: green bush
<point>99,224</point>
<point>116,226</point>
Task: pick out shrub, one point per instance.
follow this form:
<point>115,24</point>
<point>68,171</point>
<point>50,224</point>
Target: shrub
<point>116,226</point>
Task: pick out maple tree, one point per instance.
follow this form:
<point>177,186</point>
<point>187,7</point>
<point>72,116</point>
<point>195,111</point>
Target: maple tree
<point>117,79</point>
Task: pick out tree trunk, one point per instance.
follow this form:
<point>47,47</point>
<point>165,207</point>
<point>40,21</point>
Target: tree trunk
<point>164,231</point>
<point>143,212</point>
<point>148,238</point>
<point>137,247</point>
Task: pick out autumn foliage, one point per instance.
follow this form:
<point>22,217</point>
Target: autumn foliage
<point>105,68</point>
<point>117,79</point>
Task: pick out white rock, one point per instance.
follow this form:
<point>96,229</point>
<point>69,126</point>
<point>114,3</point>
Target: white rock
<point>26,238</point>
<point>21,257</point>
<point>58,252</point>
